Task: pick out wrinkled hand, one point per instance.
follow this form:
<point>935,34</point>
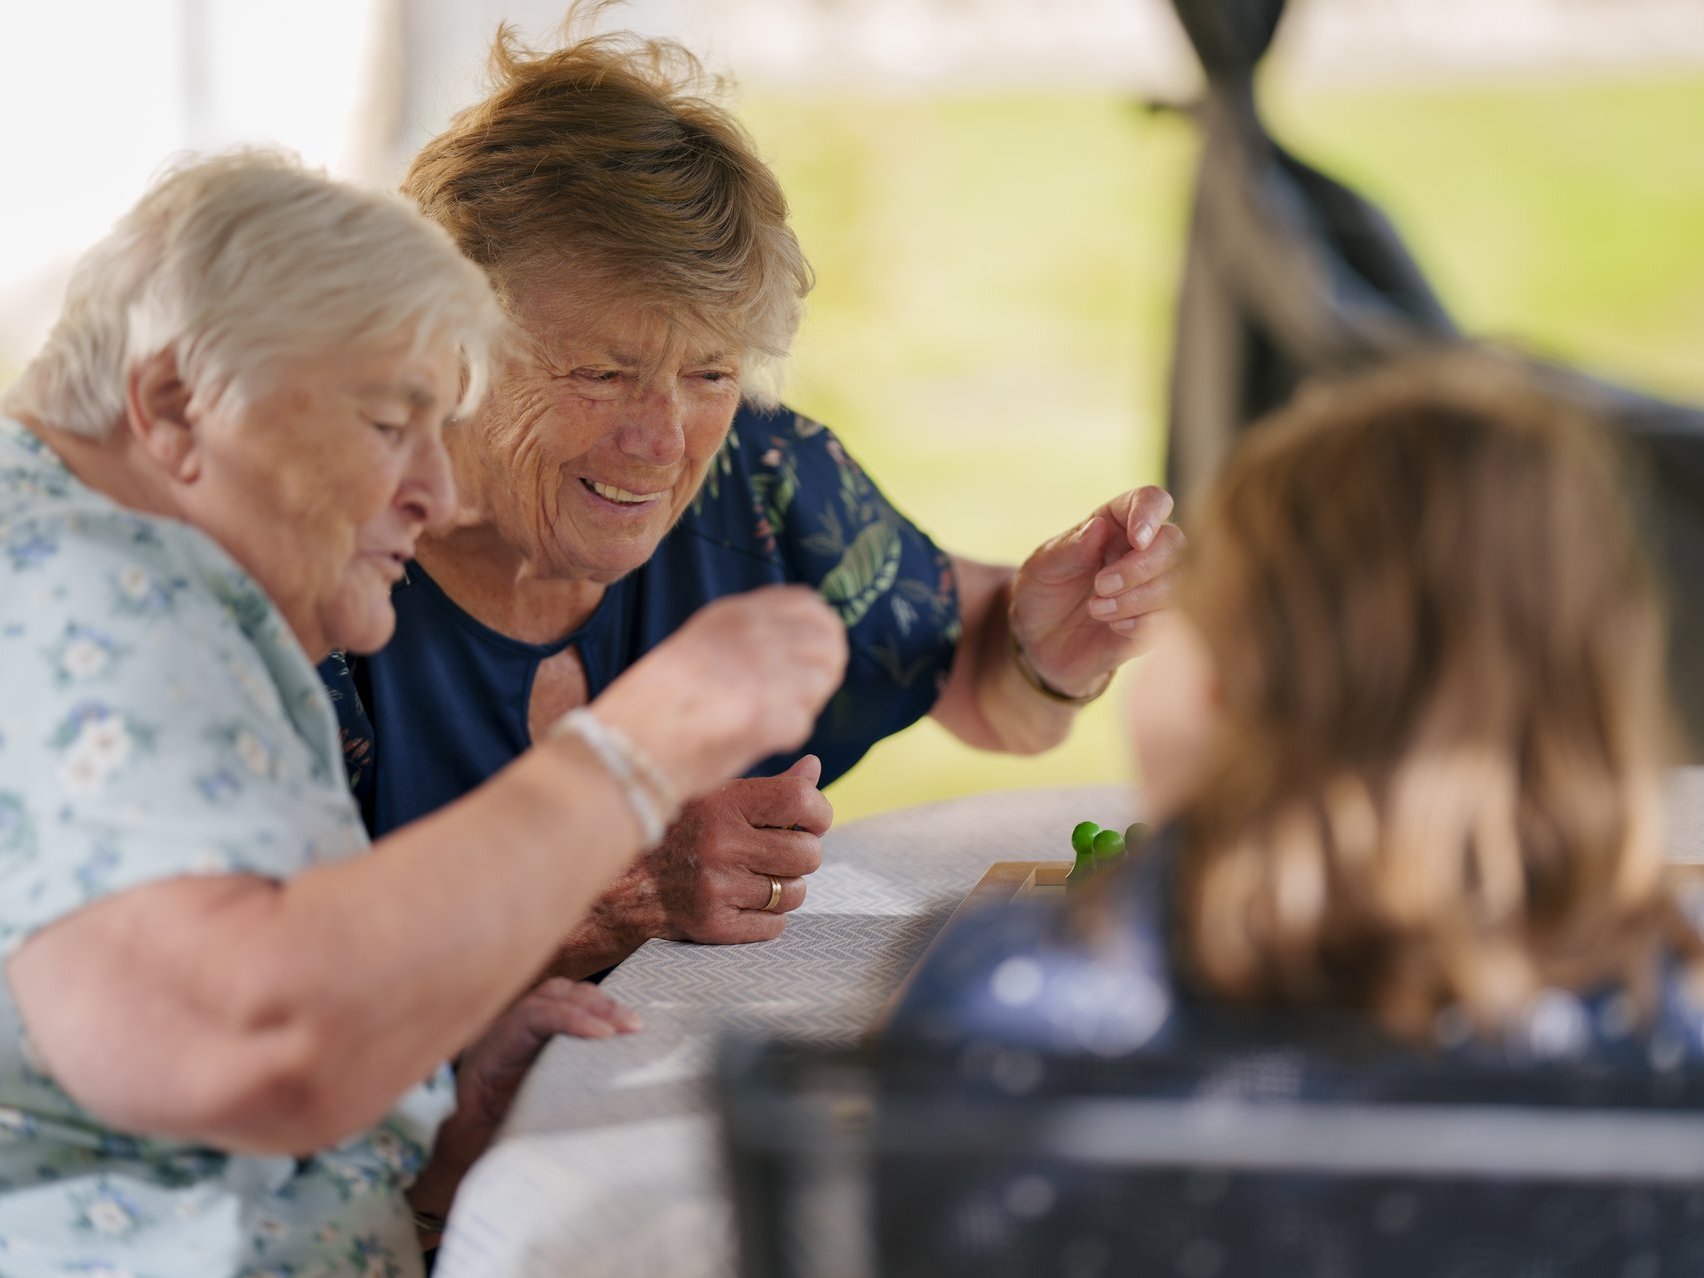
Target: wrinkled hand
<point>745,677</point>
<point>1078,601</point>
<point>711,875</point>
<point>490,1071</point>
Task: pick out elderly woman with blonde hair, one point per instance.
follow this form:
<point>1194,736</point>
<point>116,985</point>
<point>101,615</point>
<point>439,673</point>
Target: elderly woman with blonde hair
<point>225,1013</point>
<point>631,463</point>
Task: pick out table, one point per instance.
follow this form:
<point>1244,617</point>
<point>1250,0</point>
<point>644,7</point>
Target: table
<point>609,1163</point>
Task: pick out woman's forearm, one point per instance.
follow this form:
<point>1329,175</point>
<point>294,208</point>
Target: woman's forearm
<point>448,920</point>
<point>252,1014</point>
<point>987,703</point>
<point>276,1017</point>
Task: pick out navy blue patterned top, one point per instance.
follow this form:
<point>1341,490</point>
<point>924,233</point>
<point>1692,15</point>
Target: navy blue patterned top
<point>1019,975</point>
<point>444,705</point>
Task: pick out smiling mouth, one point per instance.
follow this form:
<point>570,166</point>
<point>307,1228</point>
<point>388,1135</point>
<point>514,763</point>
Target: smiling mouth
<point>620,496</point>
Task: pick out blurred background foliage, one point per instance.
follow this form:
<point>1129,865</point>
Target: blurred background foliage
<point>991,326</point>
<point>996,222</point>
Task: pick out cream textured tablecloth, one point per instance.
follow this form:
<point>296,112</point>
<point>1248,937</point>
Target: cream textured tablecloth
<point>609,1164</point>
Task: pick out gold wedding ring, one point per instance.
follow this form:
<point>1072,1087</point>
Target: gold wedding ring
<point>774,895</point>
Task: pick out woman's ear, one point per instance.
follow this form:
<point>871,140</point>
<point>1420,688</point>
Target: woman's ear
<point>157,414</point>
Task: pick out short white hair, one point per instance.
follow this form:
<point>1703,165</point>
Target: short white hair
<point>241,265</point>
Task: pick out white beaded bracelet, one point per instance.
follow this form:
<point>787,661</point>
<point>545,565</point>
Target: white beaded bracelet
<point>642,783</point>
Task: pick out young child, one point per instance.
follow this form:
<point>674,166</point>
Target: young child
<point>1403,739</point>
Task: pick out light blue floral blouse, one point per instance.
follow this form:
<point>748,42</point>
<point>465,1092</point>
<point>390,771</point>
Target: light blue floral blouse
<point>158,719</point>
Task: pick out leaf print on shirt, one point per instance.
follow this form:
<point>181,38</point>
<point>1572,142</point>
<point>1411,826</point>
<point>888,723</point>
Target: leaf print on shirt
<point>17,833</point>
<point>82,653</point>
<point>721,464</point>
<point>26,546</point>
<point>357,755</point>
<point>372,1259</point>
<point>938,603</point>
<point>269,1230</point>
<point>243,600</point>
<point>865,572</point>
<point>137,593</point>
<point>854,488</point>
<point>830,539</point>
<point>774,491</point>
<point>107,1213</point>
<point>29,442</point>
<point>904,615</point>
<point>91,875</point>
<point>886,654</point>
<point>261,694</point>
<point>17,1123</point>
<point>257,756</point>
<point>34,482</point>
<point>397,1152</point>
<point>117,1144</point>
<point>348,1179</point>
<point>219,786</point>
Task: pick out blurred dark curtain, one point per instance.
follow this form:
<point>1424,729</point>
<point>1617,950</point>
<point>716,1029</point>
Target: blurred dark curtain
<point>1290,274</point>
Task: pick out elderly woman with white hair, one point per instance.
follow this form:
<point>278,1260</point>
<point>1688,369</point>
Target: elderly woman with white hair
<point>225,1013</point>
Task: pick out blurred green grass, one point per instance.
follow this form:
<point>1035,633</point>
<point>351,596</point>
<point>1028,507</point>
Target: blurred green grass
<point>991,327</point>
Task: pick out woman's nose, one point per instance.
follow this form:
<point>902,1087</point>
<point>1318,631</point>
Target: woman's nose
<point>653,429</point>
<point>428,492</point>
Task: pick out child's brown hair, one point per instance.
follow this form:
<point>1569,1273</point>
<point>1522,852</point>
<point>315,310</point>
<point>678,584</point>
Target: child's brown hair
<point>1436,777</point>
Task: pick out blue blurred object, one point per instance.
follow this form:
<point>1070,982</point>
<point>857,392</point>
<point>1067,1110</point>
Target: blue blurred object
<point>1044,1102</point>
<point>1258,1161</point>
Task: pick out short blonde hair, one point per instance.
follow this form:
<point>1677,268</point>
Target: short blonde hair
<point>607,162</point>
<point>239,265</point>
<point>1440,653</point>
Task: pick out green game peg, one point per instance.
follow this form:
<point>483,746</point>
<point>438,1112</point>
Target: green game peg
<point>1083,844</point>
<point>1109,846</point>
<point>1083,836</point>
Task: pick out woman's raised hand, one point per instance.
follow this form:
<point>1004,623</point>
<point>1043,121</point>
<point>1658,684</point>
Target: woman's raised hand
<point>1079,600</point>
<point>744,678</point>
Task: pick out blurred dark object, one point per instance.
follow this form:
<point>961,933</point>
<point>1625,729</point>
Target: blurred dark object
<point>997,1162</point>
<point>1291,275</point>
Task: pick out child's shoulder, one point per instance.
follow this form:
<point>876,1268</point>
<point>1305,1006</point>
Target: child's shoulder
<point>1019,974</point>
